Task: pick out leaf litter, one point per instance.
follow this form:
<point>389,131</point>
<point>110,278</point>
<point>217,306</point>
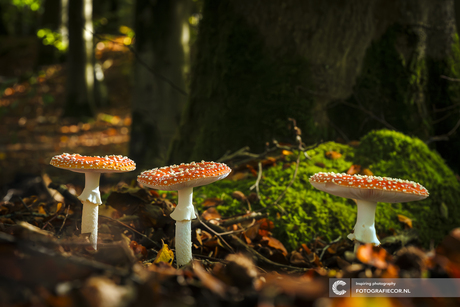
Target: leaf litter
<point>44,258</point>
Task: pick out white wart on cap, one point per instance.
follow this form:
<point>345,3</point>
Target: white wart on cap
<point>370,188</point>
<point>177,177</point>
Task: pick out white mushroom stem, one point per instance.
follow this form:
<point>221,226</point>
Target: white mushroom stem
<point>183,242</point>
<point>91,199</point>
<point>364,230</point>
<point>183,215</point>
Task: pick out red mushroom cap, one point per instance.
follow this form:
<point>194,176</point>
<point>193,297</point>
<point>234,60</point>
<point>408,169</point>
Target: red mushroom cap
<point>83,164</point>
<point>177,177</point>
<point>370,188</point>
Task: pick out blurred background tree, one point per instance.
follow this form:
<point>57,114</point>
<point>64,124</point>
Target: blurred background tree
<point>162,52</point>
<point>203,77</point>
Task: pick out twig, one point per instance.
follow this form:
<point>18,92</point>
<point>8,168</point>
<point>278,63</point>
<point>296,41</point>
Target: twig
<point>256,184</point>
<point>24,204</point>
<point>238,243</point>
<point>65,193</point>
<point>65,219</point>
<point>52,218</point>
<point>130,228</point>
<point>444,137</point>
<point>329,245</point>
<point>450,79</point>
<point>214,232</point>
<point>244,218</point>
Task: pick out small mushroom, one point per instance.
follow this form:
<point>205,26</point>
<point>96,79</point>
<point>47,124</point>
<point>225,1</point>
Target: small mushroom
<point>367,191</point>
<point>92,167</point>
<point>183,178</point>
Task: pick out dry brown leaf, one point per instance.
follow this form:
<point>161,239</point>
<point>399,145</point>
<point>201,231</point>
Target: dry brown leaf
<point>212,202</point>
<point>306,249</point>
<point>274,243</point>
<point>373,255</point>
<point>333,155</point>
<point>367,172</point>
<point>238,176</point>
<point>405,220</point>
<point>211,214</point>
<point>354,169</point>
<point>253,231</point>
<point>238,195</point>
<point>209,281</point>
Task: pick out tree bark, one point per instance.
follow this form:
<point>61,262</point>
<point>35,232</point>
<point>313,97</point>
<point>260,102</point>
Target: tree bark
<point>340,69</point>
<point>159,91</point>
<point>48,54</point>
<point>80,75</point>
<point>260,62</point>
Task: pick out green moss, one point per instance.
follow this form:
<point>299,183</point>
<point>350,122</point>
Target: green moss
<point>393,154</point>
<point>310,212</point>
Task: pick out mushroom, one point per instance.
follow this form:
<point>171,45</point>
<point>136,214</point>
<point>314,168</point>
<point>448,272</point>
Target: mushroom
<point>92,167</point>
<point>183,178</point>
<point>367,191</point>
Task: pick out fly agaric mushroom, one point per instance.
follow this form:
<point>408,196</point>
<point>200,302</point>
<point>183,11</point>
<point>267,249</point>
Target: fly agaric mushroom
<point>90,197</point>
<point>183,178</point>
<point>367,191</point>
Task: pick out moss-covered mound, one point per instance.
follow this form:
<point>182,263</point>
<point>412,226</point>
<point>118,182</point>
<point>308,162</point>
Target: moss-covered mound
<point>393,154</point>
<point>309,212</point>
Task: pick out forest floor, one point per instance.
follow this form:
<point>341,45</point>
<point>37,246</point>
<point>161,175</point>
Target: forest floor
<point>46,261</point>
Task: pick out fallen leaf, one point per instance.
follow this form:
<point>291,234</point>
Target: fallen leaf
<point>367,172</point>
<point>298,259</point>
<point>373,255</point>
<point>405,220</point>
<point>212,202</point>
<point>252,231</point>
<point>139,251</point>
<point>274,243</point>
<point>165,255</point>
<point>238,195</point>
<point>354,169</point>
<point>306,249</point>
<point>333,155</point>
<point>239,176</point>
<point>209,281</point>
<point>211,214</point>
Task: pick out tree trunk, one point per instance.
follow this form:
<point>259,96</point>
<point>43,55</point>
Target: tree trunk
<point>48,54</point>
<point>3,29</point>
<point>341,69</point>
<point>80,72</point>
<point>159,92</point>
<point>259,63</point>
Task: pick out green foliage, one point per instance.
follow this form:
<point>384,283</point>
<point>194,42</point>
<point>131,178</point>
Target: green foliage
<point>393,154</point>
<point>309,212</point>
<point>33,4</point>
<point>49,37</point>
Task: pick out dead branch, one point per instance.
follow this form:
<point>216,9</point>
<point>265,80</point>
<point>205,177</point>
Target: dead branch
<point>239,244</point>
<point>244,218</point>
<point>65,193</point>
